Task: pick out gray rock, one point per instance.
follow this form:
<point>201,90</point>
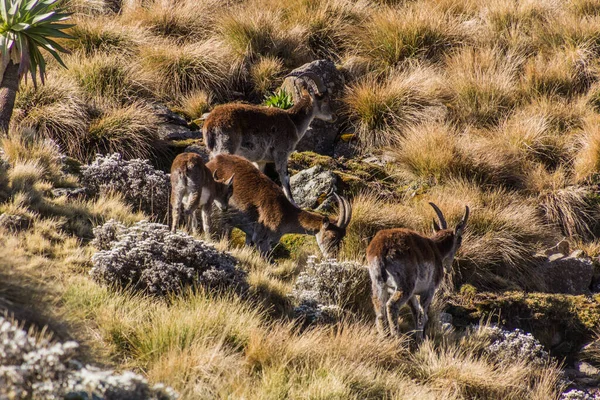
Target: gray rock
<point>587,369</point>
<point>71,193</point>
<point>445,318</point>
<point>310,185</point>
<point>15,223</point>
<point>570,274</point>
<point>321,135</point>
<point>170,131</point>
<point>167,116</point>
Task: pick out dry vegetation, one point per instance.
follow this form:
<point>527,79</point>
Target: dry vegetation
<point>490,104</point>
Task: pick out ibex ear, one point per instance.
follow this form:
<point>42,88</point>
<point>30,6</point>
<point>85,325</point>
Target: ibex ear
<point>326,222</point>
<point>215,175</point>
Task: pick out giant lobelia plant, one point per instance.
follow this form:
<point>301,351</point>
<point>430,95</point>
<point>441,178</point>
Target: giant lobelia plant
<point>27,27</point>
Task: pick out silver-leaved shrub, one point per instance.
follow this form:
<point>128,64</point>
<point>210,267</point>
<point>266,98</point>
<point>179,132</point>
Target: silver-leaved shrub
<point>516,346</point>
<point>325,289</point>
<point>578,394</point>
<point>33,367</point>
<point>149,257</point>
<point>145,188</point>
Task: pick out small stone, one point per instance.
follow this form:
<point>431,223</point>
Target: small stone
<point>445,318</point>
<point>70,193</point>
<point>587,369</point>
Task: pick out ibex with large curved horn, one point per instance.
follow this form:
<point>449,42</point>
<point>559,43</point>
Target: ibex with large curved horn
<point>404,264</point>
<point>260,209</point>
<point>267,134</point>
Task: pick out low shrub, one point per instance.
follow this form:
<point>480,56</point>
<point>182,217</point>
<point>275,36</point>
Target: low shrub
<point>32,366</point>
<point>142,186</point>
<point>516,346</point>
<point>148,257</point>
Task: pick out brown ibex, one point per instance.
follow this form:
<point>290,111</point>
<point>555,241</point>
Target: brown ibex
<point>267,134</point>
<point>260,209</point>
<point>404,264</point>
<point>193,186</point>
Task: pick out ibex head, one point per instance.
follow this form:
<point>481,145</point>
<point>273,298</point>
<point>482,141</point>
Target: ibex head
<point>452,238</point>
<point>224,190</point>
<point>314,86</point>
<point>331,234</point>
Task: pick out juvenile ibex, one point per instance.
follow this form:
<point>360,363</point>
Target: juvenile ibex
<point>193,186</point>
<point>261,210</point>
<point>267,134</point>
<point>404,264</point>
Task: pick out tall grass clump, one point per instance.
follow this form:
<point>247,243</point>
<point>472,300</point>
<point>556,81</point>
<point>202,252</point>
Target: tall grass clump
<point>129,130</point>
<point>103,35</point>
<point>111,77</point>
<point>195,104</point>
<point>395,34</point>
<point>430,152</point>
<point>381,110</point>
<point>586,164</point>
<point>180,69</point>
<point>483,85</point>
<point>565,72</point>
<point>257,31</point>
<point>266,74</point>
<point>56,111</point>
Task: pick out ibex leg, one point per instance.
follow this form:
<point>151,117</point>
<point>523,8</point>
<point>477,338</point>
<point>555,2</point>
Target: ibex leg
<point>397,300</point>
<point>282,170</point>
<point>418,314</point>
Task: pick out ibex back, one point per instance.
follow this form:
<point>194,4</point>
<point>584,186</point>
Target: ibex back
<point>194,187</point>
<point>261,210</point>
<point>267,134</point>
<point>404,264</point>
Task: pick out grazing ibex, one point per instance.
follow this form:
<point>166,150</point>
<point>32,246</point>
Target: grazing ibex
<point>193,186</point>
<point>404,264</point>
<point>267,134</point>
<point>261,210</point>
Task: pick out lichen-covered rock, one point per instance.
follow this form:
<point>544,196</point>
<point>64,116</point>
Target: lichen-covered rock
<point>36,368</point>
<point>570,274</point>
<point>321,135</point>
<point>150,258</point>
<point>331,287</point>
<point>311,186</point>
<point>142,186</point>
<point>176,132</point>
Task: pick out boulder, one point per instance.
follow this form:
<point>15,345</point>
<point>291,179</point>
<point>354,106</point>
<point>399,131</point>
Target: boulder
<point>200,150</point>
<point>167,116</point>
<point>310,186</point>
<point>568,274</point>
<point>169,131</point>
<point>321,135</point>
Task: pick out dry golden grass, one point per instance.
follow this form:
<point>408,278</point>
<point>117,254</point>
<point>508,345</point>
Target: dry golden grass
<point>587,158</point>
<point>195,104</point>
<point>381,109</point>
<point>266,74</point>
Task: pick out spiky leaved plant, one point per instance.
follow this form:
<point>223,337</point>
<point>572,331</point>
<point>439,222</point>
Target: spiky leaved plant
<point>26,27</point>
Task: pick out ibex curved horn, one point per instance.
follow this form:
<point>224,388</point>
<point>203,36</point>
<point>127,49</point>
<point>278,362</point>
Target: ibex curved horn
<point>313,80</point>
<point>441,219</point>
<point>461,225</point>
<point>345,211</point>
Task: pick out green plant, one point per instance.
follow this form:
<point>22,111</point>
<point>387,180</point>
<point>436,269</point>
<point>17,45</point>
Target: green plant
<point>25,28</point>
<point>280,99</point>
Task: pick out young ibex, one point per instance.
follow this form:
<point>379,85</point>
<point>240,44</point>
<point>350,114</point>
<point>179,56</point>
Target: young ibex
<point>193,186</point>
<point>261,210</point>
<point>267,134</point>
<point>404,264</point>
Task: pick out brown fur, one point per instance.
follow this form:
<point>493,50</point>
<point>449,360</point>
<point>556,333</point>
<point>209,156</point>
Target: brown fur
<point>265,211</point>
<point>264,134</point>
<point>407,264</point>
<point>194,187</point>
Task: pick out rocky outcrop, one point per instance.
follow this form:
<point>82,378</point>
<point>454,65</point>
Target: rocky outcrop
<point>320,136</point>
<point>569,274</point>
<point>311,186</point>
<point>172,126</point>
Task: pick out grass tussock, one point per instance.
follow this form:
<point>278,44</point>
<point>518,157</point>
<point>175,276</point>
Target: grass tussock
<point>587,158</point>
<point>381,110</point>
<point>129,130</point>
<point>178,70</point>
<point>195,104</point>
<point>266,74</point>
<point>397,34</point>
<point>103,35</point>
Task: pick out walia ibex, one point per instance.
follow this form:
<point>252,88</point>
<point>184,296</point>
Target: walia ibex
<point>404,264</point>
<point>260,209</point>
<point>194,187</point>
<point>267,134</point>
